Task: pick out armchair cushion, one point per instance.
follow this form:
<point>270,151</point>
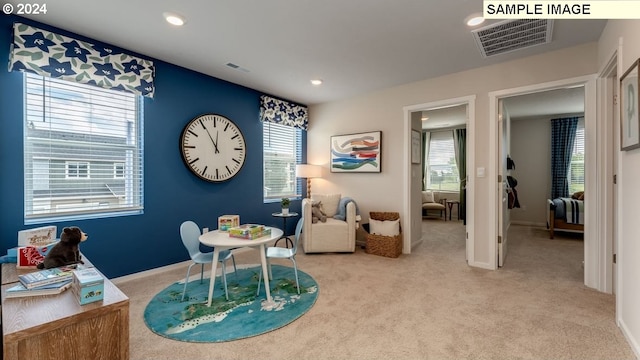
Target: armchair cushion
<point>427,197</point>
<point>329,202</point>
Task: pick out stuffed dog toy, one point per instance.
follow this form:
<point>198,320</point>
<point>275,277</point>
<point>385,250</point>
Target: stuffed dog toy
<point>66,251</point>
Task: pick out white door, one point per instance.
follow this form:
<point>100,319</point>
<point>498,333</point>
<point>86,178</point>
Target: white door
<point>503,187</point>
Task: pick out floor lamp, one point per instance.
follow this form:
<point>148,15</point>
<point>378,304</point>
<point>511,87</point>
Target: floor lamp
<point>308,171</point>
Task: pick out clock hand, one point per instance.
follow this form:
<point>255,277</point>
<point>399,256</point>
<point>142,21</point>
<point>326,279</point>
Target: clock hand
<point>212,141</point>
<point>216,143</point>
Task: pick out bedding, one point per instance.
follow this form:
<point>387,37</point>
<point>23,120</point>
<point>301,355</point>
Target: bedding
<point>569,210</point>
<point>565,214</point>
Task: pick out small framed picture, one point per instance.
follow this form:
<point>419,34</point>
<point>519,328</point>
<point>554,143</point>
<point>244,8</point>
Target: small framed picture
<point>416,145</point>
<point>629,122</point>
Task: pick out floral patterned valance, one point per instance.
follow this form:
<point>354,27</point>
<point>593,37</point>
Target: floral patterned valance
<point>283,112</point>
<point>49,54</point>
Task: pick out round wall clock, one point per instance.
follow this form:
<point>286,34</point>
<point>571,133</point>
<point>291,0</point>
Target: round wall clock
<point>213,147</point>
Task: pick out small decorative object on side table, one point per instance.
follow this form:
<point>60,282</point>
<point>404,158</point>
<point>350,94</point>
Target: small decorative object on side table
<point>284,202</point>
<point>284,217</point>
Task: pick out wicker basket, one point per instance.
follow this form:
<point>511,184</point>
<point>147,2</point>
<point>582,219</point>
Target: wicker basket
<point>389,246</point>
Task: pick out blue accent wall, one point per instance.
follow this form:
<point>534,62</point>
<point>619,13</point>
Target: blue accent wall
<point>172,194</point>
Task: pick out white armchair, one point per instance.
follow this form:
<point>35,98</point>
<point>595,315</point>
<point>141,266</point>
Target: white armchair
<point>333,235</point>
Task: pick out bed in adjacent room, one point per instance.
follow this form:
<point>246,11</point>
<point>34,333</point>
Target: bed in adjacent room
<point>566,214</point>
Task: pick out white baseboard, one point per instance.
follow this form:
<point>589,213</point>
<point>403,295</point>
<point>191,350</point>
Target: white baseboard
<point>630,339</point>
<point>163,269</point>
<point>151,272</point>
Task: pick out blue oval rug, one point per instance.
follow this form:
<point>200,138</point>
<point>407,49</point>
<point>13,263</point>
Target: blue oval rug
<point>243,315</point>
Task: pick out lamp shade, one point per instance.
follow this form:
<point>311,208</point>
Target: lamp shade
<point>308,171</point>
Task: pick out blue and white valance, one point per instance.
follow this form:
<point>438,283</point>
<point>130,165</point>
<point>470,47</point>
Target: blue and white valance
<point>283,112</point>
<point>53,55</point>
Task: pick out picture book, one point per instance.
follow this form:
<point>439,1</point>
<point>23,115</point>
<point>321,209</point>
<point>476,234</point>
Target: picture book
<point>47,276</point>
<point>50,289</point>
<point>28,257</point>
<point>38,236</point>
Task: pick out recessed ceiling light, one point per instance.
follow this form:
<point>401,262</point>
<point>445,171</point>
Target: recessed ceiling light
<point>424,118</point>
<point>316,82</point>
<point>474,19</point>
<point>174,19</point>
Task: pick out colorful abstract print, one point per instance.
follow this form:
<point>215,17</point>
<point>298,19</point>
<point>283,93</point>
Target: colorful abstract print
<point>358,152</point>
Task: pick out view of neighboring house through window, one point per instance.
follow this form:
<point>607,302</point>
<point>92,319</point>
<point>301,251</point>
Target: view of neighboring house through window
<point>282,150</point>
<point>576,168</point>
<point>442,168</point>
<point>82,150</point>
<point>76,170</point>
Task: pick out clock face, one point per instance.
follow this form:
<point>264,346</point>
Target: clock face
<point>213,147</point>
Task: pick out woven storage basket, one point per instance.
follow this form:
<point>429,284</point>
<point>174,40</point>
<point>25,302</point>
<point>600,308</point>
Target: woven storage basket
<point>389,246</point>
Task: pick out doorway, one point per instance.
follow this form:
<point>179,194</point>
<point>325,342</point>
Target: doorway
<point>593,258</point>
<point>525,165</point>
<point>414,178</point>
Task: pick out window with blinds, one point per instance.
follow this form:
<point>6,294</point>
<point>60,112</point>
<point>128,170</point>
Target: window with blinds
<point>282,150</point>
<point>441,164</point>
<point>82,151</point>
<point>576,168</point>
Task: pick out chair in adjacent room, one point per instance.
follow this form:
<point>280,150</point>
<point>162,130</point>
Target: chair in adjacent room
<point>284,253</point>
<point>190,232</point>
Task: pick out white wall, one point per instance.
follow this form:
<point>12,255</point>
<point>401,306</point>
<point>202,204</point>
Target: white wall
<point>531,152</point>
<point>383,110</point>
<point>628,289</point>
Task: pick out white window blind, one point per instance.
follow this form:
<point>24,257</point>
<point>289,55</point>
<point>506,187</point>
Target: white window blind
<point>441,164</point>
<point>76,137</point>
<point>576,168</point>
<point>282,150</point>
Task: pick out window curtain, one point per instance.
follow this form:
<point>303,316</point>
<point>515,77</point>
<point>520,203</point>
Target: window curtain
<point>426,140</point>
<point>53,55</point>
<point>283,112</point>
<point>460,139</point>
<point>563,133</point>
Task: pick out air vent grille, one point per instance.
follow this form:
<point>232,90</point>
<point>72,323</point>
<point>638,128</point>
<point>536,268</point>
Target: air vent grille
<point>512,35</point>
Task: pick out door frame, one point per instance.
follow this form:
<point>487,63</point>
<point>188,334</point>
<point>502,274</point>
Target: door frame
<point>608,160</point>
<point>408,236</point>
<point>592,260</point>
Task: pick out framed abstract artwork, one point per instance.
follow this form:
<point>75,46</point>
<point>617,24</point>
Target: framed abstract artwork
<point>629,122</point>
<point>356,152</point>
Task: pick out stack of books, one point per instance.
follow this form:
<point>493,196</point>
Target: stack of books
<point>249,231</point>
<point>43,282</point>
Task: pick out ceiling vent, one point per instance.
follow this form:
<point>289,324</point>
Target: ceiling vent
<point>512,35</point>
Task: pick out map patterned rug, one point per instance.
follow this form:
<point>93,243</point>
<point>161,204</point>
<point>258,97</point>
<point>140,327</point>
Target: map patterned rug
<point>243,315</point>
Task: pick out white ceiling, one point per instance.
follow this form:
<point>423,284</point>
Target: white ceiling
<point>355,46</point>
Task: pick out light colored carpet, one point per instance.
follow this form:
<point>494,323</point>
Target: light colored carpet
<point>427,305</point>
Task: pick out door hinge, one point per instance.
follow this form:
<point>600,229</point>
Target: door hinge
<point>615,179</point>
<point>615,99</point>
<point>499,178</point>
<point>615,258</point>
<point>499,239</point>
<point>467,235</point>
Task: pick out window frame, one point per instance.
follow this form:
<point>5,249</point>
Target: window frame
<point>296,152</point>
<point>78,165</point>
<point>68,126</point>
<point>580,137</point>
<point>455,171</point>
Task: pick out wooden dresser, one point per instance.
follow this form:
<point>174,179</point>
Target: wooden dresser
<point>56,327</point>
